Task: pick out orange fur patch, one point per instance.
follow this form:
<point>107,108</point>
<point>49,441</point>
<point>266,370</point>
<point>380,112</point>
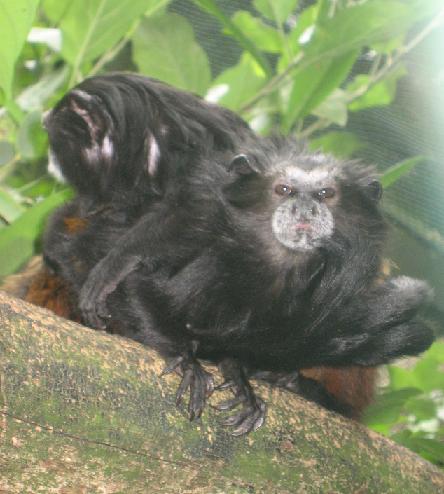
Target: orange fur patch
<point>354,386</point>
<point>74,224</point>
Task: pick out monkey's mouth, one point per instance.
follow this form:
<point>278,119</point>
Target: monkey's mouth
<point>303,226</point>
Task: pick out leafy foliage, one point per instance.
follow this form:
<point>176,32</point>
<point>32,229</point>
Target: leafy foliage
<point>303,67</point>
<point>410,410</point>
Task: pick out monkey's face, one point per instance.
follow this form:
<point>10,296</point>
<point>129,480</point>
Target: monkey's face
<point>304,201</point>
<point>293,196</point>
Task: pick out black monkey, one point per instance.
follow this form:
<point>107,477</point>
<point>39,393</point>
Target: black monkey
<point>116,137</point>
<point>265,263</point>
<point>119,139</point>
<point>123,140</point>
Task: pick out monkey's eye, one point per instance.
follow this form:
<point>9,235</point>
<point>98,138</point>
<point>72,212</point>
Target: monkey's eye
<point>283,190</point>
<point>326,193</point>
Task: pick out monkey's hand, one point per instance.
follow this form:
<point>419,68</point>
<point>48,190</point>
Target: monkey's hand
<point>103,279</point>
<point>253,411</point>
<point>196,379</point>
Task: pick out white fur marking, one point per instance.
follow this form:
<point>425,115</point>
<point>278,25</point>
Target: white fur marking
<point>54,167</point>
<point>310,176</point>
<point>107,147</point>
<point>153,156</point>
<point>82,94</point>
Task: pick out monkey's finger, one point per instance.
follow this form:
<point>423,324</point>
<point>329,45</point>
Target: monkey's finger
<point>172,365</point>
<point>197,401</point>
<point>183,386</point>
<point>209,381</point>
<point>201,387</point>
<point>250,424</point>
<point>225,385</point>
<point>231,404</point>
<point>102,311</point>
<point>249,419</point>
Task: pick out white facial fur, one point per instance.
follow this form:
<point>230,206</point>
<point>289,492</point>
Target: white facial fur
<point>301,222</point>
<point>300,230</point>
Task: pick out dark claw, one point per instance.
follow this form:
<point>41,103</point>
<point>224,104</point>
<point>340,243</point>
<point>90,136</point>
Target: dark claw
<point>252,414</point>
<point>195,379</point>
<point>201,388</point>
<point>249,419</point>
<point>183,386</point>
<point>172,365</point>
<point>231,404</point>
<point>225,385</point>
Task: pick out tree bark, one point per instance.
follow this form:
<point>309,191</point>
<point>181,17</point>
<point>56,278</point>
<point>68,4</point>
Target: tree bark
<point>86,412</point>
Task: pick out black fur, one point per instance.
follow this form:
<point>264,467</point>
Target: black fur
<point>117,137</point>
<point>201,275</point>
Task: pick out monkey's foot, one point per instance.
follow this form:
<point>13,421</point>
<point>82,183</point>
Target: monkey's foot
<point>249,418</point>
<point>307,388</point>
<point>253,411</point>
<point>195,379</point>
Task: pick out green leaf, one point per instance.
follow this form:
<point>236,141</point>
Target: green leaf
<point>388,406</point>
<point>380,94</point>
<point>264,37</point>
<point>394,173</point>
<point>212,8</point>
<point>422,408</point>
<point>91,27</point>
<point>6,152</point>
<point>402,378</point>
<point>55,10</point>
<point>340,144</point>
<point>277,11</point>
<point>336,39</point>
<point>305,20</point>
<point>17,240</point>
<point>34,97</point>
<point>366,23</point>
<point>16,18</point>
<point>428,448</point>
<point>10,209</point>
<point>312,85</point>
<point>164,47</point>
<point>435,352</point>
<point>31,138</point>
<point>429,373</point>
<point>237,83</point>
<point>333,108</point>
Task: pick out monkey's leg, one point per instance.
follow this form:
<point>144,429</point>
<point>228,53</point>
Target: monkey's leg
<point>252,414</point>
<point>308,388</point>
<point>195,378</point>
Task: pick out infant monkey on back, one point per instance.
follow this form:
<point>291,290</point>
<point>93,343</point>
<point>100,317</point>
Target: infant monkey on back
<point>206,242</point>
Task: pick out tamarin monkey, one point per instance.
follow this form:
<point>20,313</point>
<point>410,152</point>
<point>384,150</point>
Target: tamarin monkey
<point>206,242</point>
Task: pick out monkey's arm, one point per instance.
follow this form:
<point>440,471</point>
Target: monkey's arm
<point>148,242</point>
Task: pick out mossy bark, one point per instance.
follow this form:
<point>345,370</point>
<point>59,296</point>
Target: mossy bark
<point>86,412</point>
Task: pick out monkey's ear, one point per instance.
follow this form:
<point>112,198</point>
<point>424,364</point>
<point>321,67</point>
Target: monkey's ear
<point>373,190</point>
<point>91,111</point>
<point>243,164</point>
